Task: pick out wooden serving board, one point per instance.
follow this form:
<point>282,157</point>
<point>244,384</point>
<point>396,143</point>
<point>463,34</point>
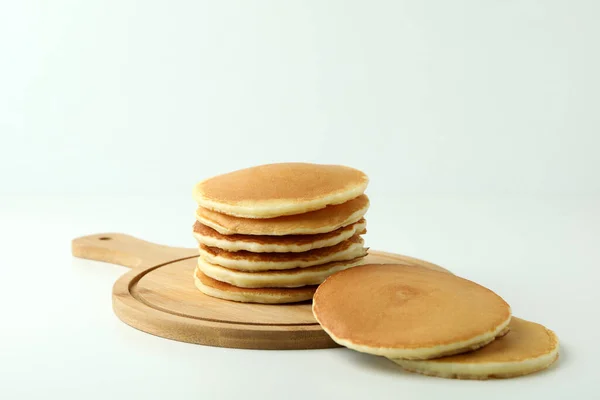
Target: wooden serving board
<point>158,296</point>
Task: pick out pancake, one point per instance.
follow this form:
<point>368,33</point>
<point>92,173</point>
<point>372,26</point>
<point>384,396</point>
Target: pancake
<point>276,244</point>
<point>504,331</point>
<point>527,348</point>
<point>322,221</point>
<point>273,190</point>
<point>286,278</point>
<point>226,291</point>
<point>247,261</point>
<point>408,312</point>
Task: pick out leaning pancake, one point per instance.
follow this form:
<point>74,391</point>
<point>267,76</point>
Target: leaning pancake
<point>226,291</point>
<point>286,278</point>
<point>527,348</point>
<point>408,312</point>
<point>273,190</point>
<point>322,221</point>
<point>276,244</point>
<point>247,261</point>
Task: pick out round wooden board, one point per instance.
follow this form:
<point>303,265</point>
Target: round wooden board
<point>158,296</point>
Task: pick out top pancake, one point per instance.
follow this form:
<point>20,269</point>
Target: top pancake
<point>321,221</point>
<point>408,312</point>
<point>274,190</point>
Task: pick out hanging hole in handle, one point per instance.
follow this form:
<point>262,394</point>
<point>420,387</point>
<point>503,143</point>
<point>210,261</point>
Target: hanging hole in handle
<point>104,238</point>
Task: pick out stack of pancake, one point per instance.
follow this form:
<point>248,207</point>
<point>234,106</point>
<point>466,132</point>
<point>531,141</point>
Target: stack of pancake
<point>272,233</point>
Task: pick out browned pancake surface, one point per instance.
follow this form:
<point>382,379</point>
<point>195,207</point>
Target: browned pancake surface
<point>284,181</point>
<point>397,306</point>
<point>524,340</point>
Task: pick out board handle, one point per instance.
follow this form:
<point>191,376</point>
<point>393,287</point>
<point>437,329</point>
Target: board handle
<point>126,250</point>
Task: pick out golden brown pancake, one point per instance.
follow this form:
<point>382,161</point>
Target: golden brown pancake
<point>527,348</point>
<point>276,244</point>
<point>273,190</point>
<point>408,312</point>
<point>322,221</point>
<point>285,278</point>
<point>221,290</point>
<point>248,261</point>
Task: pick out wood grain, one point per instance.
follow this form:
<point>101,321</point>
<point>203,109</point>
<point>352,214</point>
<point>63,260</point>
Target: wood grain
<point>158,296</point>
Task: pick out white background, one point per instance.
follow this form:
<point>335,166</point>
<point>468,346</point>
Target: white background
<point>477,122</point>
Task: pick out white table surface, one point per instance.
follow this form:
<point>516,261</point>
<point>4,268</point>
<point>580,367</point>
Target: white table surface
<point>60,338</point>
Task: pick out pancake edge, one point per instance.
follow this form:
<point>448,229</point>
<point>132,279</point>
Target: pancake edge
<point>250,297</point>
<point>245,279</point>
<point>278,248</point>
<point>422,353</point>
<point>353,251</point>
<point>271,208</point>
<point>352,218</point>
<point>483,371</point>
